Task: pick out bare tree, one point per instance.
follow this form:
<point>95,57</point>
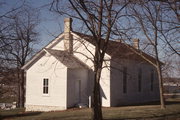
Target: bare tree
<point>178,66</point>
<point>171,22</point>
<point>99,18</point>
<point>17,40</point>
<point>148,15</point>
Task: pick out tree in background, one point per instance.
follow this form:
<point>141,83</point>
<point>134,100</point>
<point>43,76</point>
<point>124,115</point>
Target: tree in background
<point>159,30</point>
<point>18,35</point>
<point>171,29</point>
<point>171,36</point>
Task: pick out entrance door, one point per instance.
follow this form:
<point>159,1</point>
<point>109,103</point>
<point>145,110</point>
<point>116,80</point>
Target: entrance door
<point>78,91</point>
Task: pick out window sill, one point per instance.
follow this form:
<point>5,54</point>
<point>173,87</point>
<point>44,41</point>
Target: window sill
<point>45,95</point>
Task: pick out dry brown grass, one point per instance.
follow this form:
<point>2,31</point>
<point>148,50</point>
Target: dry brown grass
<point>172,111</point>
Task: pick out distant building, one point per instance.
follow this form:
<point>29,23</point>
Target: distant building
<point>171,87</point>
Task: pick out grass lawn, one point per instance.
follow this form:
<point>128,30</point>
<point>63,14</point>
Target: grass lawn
<point>171,112</point>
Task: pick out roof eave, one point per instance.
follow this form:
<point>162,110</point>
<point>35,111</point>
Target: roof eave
<point>26,66</point>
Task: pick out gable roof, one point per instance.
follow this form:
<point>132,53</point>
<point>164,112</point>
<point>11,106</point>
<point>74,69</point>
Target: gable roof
<point>33,59</point>
<point>121,50</point>
<point>117,50</point>
<point>42,51</point>
<point>69,60</point>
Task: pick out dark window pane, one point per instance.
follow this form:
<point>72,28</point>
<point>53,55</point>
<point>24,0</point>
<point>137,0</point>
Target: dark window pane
<point>45,86</point>
<point>46,81</point>
<point>139,80</point>
<point>43,89</point>
<point>124,80</point>
<point>47,90</point>
<point>152,79</point>
<point>43,82</point>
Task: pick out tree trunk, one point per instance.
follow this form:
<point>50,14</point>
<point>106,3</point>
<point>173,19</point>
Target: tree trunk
<point>21,89</point>
<point>18,87</point>
<point>158,67</point>
<point>97,111</point>
<point>160,85</point>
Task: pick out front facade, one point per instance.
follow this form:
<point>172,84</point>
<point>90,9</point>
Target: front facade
<point>61,75</point>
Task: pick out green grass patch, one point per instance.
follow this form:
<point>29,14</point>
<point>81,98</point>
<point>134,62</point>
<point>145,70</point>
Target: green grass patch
<point>113,113</point>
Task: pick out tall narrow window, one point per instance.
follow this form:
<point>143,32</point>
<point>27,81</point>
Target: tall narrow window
<point>152,79</point>
<point>139,79</point>
<point>45,86</point>
<point>124,80</point>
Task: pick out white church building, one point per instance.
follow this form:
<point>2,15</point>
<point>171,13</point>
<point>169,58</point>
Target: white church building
<point>60,76</point>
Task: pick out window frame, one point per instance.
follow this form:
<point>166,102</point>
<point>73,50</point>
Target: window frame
<point>124,80</point>
<point>140,80</point>
<point>152,80</point>
<point>45,87</point>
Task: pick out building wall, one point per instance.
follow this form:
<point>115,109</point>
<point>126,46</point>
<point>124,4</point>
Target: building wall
<point>77,87</point>
<point>105,84</point>
<point>132,96</point>
<point>111,78</point>
<point>57,43</point>
<point>83,50</point>
<point>46,67</point>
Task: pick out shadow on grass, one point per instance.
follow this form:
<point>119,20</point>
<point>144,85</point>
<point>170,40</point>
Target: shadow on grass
<point>152,103</point>
<point>175,116</point>
<point>19,115</point>
<point>172,102</point>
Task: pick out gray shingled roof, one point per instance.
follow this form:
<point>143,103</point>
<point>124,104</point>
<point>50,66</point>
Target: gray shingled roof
<point>120,50</point>
<point>69,60</point>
